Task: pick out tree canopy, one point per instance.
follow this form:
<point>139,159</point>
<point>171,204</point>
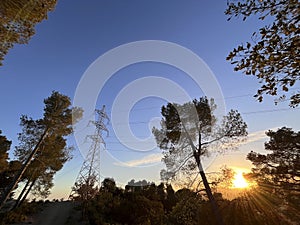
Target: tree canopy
<point>4,148</point>
<point>18,19</point>
<point>279,169</point>
<point>8,168</point>
<point>190,131</point>
<point>53,152</point>
<point>273,54</point>
<point>43,147</point>
<point>161,204</point>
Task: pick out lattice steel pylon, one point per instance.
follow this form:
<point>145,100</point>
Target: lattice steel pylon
<point>88,180</point>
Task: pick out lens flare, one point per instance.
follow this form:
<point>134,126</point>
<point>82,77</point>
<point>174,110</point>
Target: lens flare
<point>239,181</point>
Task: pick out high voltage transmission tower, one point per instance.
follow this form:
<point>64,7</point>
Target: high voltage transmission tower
<point>88,180</point>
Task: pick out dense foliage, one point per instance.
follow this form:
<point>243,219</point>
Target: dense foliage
<point>190,131</point>
<point>273,54</point>
<point>53,151</point>
<point>8,167</point>
<point>279,169</point>
<point>187,133</point>
<point>21,214</point>
<point>42,150</point>
<point>160,204</point>
<point>18,19</point>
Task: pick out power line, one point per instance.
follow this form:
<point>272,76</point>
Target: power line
<point>244,113</point>
<point>158,108</point>
<point>228,97</point>
<point>270,110</point>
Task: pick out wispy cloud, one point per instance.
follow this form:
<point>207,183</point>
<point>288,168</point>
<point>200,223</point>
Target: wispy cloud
<point>257,135</point>
<point>149,159</point>
<point>155,158</point>
<point>252,137</point>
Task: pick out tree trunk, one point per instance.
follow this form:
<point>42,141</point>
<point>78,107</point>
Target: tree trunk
<point>27,192</point>
<point>19,175</point>
<point>21,194</point>
<point>210,196</point>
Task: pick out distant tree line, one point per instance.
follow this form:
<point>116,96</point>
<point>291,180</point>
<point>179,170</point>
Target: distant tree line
<point>160,204</point>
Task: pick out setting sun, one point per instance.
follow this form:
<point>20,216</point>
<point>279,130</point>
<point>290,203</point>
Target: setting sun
<point>239,181</point>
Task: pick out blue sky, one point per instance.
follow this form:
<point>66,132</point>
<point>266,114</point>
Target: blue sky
<point>78,32</point>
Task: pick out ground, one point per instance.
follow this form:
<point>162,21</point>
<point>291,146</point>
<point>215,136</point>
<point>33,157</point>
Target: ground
<point>58,213</point>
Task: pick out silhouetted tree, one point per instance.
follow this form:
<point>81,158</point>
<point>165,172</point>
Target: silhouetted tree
<point>108,185</point>
<point>136,208</point>
<point>18,20</point>
<point>7,168</point>
<point>259,207</point>
<point>170,200</point>
<point>7,175</point>
<point>4,148</point>
<point>146,206</point>
<point>85,190</point>
<point>113,205</point>
<point>53,152</point>
<point>188,210</point>
<point>188,131</point>
<point>43,149</point>
<point>281,167</point>
<point>273,54</point>
<point>104,208</point>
